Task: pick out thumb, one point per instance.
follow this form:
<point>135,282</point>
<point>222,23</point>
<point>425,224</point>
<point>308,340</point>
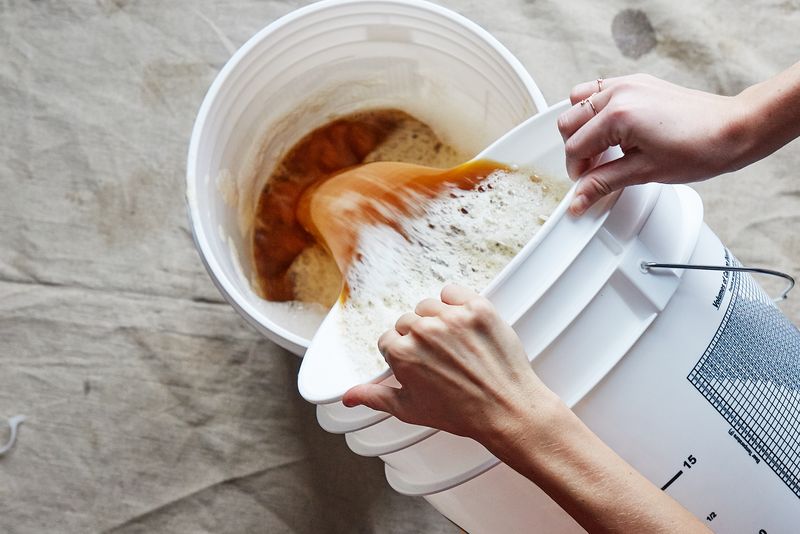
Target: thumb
<point>375,396</point>
<point>607,178</point>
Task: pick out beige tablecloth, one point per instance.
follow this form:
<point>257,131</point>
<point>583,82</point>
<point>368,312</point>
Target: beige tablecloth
<point>152,407</point>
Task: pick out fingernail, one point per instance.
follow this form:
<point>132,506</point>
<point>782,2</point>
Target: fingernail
<point>579,204</point>
<point>348,401</point>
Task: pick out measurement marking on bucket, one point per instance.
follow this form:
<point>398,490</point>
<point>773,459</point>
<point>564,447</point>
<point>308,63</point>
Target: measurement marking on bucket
<point>673,479</point>
<point>750,373</point>
<point>687,463</point>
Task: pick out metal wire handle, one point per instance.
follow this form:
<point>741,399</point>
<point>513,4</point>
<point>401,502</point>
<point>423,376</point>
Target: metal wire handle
<point>647,265</point>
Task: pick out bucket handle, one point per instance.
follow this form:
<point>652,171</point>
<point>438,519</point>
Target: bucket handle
<point>648,265</point>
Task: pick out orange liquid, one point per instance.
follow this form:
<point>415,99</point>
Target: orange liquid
<point>377,193</point>
<point>319,194</point>
<point>278,236</point>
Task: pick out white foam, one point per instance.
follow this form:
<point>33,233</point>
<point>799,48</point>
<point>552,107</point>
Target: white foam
<point>463,237</point>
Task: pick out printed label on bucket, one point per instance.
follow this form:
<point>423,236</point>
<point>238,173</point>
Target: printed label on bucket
<point>750,373</point>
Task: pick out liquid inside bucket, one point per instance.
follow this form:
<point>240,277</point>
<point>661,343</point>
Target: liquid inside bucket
<point>292,259</point>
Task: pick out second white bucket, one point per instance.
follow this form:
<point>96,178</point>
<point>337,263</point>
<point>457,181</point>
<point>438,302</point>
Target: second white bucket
<point>692,376</point>
<point>706,404</point>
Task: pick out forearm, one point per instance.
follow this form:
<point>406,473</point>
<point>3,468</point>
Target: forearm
<point>769,118</point>
<point>549,445</point>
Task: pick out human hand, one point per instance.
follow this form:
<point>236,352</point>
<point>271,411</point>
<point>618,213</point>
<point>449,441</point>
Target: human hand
<point>669,134</point>
<point>462,370</point>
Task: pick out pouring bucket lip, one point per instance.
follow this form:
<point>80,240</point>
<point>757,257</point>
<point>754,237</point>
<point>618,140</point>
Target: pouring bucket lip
<point>284,337</point>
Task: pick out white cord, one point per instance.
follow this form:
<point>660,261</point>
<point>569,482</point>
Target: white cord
<point>13,423</point>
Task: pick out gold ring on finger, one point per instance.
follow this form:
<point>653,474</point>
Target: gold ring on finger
<point>591,105</point>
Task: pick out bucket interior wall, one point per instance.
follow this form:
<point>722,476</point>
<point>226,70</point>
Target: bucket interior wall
<point>331,60</point>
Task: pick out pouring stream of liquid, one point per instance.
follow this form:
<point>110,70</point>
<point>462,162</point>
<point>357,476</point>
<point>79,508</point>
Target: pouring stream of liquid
<point>335,210</point>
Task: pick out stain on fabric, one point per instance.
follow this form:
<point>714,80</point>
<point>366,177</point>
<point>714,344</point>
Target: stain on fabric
<point>112,6</point>
<point>692,53</point>
<point>120,206</point>
<point>633,33</point>
<point>165,83</point>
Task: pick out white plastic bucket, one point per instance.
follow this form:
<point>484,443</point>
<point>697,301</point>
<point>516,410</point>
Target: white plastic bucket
<point>706,404</point>
<point>692,376</point>
<point>324,60</point>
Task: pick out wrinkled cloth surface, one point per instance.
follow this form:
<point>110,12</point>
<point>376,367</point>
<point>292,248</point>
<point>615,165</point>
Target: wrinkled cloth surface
<point>151,405</point>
